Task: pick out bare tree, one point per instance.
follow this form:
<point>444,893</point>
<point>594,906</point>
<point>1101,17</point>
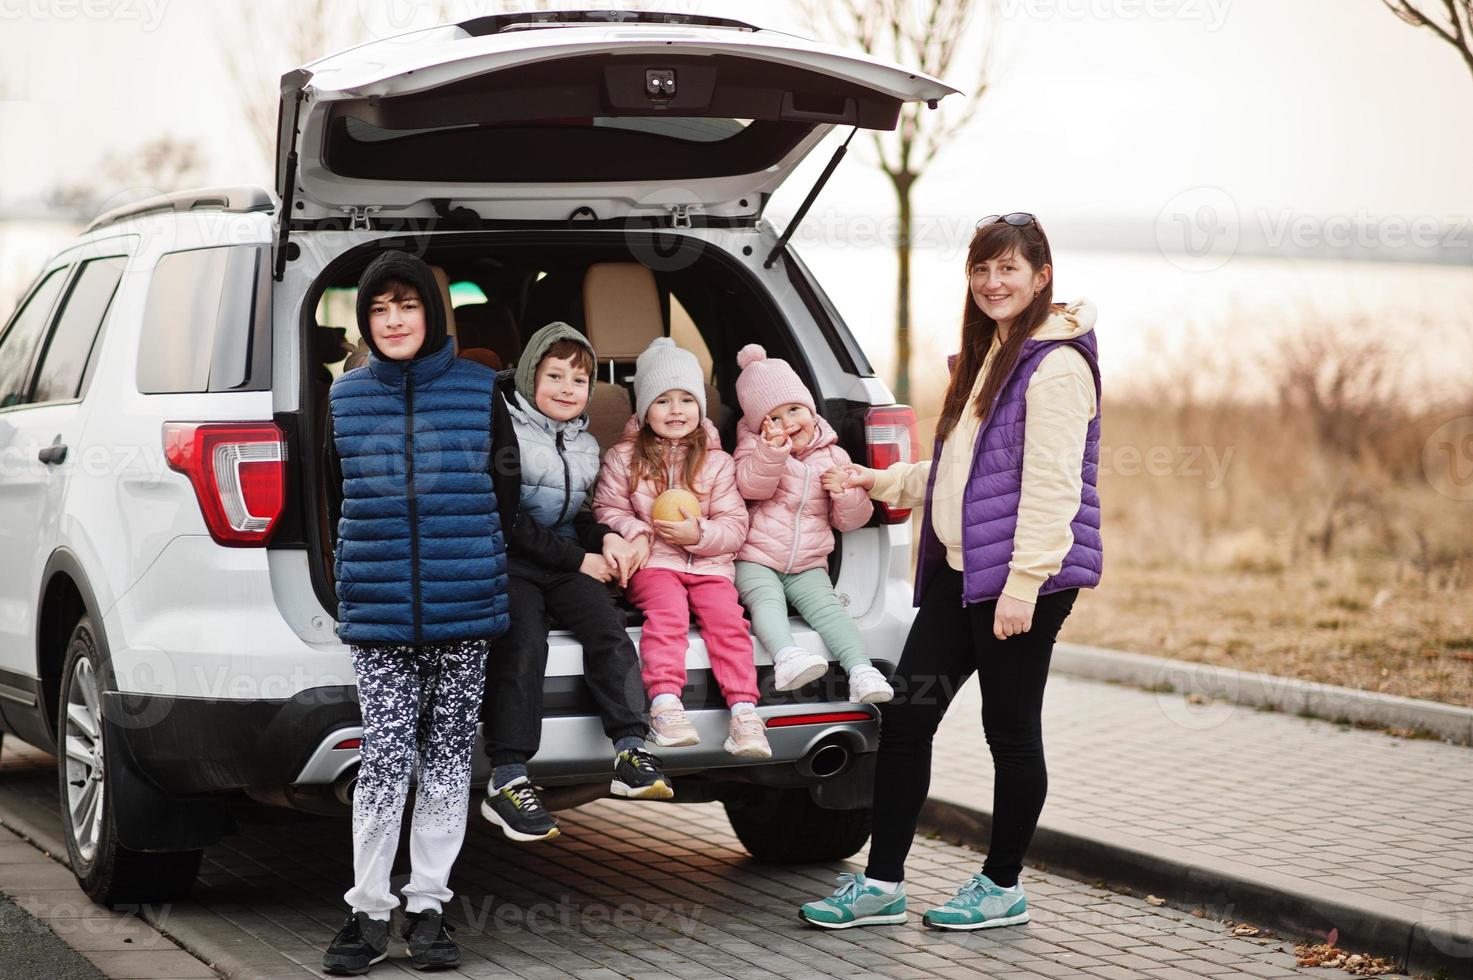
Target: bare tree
<point>262,41</point>
<point>929,35</point>
<point>158,165</point>
<point>1453,22</point>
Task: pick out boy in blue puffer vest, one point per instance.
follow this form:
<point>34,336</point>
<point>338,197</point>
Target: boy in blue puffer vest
<point>560,560</point>
<point>420,566</point>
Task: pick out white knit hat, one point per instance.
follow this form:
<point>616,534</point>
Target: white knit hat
<point>662,366</point>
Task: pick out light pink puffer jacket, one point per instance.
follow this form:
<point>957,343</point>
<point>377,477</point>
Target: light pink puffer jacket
<point>627,510</point>
<point>792,515</point>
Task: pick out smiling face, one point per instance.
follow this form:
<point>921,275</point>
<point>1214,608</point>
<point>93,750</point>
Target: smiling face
<point>797,421</point>
<point>561,388</point>
<point>1003,287</point>
<point>674,415</point>
<point>397,325</point>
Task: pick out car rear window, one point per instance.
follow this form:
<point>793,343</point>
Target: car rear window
<point>207,322</point>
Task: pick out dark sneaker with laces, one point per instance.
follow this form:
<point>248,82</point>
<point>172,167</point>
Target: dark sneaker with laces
<point>428,937</point>
<point>637,776</point>
<point>518,811</point>
<point>359,944</point>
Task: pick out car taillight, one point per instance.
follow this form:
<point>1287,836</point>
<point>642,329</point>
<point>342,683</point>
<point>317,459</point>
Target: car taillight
<point>825,718</point>
<point>890,436</point>
<point>238,470</point>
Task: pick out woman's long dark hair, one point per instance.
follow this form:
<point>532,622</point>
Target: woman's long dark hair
<point>978,329</point>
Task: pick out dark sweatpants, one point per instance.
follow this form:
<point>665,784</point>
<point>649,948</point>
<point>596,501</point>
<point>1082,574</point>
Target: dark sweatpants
<point>511,711</point>
<point>947,642</point>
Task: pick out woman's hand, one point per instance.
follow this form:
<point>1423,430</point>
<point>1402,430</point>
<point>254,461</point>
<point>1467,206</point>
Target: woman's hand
<point>837,479</point>
<point>773,435</point>
<point>595,567</point>
<point>1013,616</point>
<point>682,534</point>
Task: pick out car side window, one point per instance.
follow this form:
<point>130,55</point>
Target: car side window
<point>69,348</point>
<point>20,338</point>
<point>207,322</point>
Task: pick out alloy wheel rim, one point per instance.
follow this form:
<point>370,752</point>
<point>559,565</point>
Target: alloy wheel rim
<point>84,759</point>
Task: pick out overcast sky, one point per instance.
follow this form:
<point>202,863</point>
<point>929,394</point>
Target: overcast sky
<point>1110,107</point>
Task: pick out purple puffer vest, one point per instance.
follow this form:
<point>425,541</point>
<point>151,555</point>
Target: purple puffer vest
<point>990,501</point>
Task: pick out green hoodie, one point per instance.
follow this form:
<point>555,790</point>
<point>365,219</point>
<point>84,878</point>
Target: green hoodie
<point>526,375</point>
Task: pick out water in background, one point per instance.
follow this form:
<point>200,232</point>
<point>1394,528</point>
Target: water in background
<point>1150,307</point>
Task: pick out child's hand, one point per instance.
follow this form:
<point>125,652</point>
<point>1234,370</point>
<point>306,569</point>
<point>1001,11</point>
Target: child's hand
<point>773,435</point>
<point>595,567</point>
<point>680,533</point>
<point>620,555</point>
<point>837,479</point>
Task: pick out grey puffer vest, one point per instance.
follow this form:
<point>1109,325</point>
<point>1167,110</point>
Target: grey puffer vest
<point>559,464</point>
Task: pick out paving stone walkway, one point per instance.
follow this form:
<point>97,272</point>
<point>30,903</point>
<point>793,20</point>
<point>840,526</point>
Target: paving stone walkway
<point>1352,813</point>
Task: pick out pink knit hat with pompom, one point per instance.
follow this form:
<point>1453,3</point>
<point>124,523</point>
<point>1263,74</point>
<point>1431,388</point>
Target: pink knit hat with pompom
<point>765,383</point>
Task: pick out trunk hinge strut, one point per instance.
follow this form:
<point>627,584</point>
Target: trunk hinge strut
<point>288,176</point>
<point>823,178</point>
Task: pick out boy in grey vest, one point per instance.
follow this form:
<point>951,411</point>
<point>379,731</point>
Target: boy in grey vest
<point>560,560</point>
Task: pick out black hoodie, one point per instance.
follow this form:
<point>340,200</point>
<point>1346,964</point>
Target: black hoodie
<point>406,268</point>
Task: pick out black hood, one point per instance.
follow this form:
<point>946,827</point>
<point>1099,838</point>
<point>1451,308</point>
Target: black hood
<point>405,267</point>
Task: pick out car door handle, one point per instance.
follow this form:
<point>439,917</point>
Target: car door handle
<point>54,453</point>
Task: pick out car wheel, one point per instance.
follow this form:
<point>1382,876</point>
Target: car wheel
<point>109,873</point>
<point>785,826</point>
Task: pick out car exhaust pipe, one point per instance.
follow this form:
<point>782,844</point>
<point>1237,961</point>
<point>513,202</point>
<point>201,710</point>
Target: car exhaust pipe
<point>344,786</point>
<point>828,758</point>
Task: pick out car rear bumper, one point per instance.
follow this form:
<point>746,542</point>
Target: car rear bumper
<point>198,745</point>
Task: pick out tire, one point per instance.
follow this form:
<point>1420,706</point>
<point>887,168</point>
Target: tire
<point>108,872</point>
<point>785,826</point>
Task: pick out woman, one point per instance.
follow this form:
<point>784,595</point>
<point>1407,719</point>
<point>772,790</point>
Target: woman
<point>1011,534</point>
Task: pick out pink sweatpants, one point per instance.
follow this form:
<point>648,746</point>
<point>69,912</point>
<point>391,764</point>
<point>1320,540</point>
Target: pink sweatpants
<point>666,598</point>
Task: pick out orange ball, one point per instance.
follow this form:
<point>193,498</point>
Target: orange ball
<point>669,504</point>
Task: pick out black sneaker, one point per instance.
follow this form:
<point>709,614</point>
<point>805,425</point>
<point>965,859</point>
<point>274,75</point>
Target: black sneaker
<point>430,945</point>
<point>359,944</point>
<point>637,776</point>
<point>518,811</point>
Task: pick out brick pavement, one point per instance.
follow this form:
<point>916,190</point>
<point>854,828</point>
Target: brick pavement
<point>654,890</point>
<point>1371,817</point>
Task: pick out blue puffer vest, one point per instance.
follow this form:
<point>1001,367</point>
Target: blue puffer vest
<point>994,486</point>
<point>420,556</point>
<point>559,464</point>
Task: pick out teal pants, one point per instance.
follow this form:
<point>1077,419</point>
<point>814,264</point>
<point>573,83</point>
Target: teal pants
<point>767,593</point>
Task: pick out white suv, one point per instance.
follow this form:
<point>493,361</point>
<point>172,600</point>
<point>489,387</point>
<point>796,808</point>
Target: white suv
<point>166,595</point>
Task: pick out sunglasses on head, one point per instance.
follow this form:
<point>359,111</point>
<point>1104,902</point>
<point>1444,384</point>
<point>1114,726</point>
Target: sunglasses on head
<point>1018,219</point>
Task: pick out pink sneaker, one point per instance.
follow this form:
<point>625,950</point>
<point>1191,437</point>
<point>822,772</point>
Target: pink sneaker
<point>670,727</point>
<point>748,737</point>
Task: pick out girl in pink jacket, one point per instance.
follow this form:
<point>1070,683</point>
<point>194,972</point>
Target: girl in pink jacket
<point>686,565</point>
<point>783,448</point>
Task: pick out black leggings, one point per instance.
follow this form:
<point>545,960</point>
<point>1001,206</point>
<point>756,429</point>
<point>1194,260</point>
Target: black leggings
<point>946,643</point>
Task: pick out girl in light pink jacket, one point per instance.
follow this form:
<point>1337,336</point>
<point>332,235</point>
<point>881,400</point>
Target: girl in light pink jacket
<point>686,565</point>
<point>783,449</point>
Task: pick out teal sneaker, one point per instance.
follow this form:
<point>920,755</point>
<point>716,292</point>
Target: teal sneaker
<point>980,904</point>
<point>856,903</point>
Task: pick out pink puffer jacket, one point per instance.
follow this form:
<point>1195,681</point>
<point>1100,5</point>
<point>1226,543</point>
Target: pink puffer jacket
<point>793,516</point>
<point>627,510</point>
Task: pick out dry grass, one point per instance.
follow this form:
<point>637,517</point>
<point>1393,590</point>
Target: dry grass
<point>1295,535</point>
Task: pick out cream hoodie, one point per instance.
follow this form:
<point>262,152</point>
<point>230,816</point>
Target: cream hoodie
<point>1061,401</point>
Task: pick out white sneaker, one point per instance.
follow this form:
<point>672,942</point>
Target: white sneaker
<point>868,686</point>
<point>794,666</point>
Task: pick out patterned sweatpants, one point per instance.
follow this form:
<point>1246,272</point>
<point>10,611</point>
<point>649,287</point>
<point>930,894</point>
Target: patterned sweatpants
<point>420,705</point>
